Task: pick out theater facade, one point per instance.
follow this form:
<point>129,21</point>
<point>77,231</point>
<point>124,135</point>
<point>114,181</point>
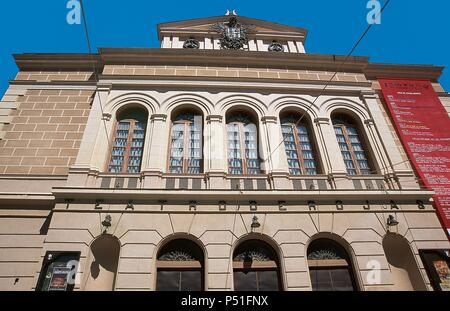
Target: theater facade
<point>229,158</point>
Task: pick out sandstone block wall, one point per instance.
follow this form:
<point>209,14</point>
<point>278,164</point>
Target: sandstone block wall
<point>44,131</point>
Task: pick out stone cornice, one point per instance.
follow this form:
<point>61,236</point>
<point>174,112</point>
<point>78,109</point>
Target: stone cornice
<point>231,58</point>
<point>265,86</point>
<point>63,85</point>
<point>319,195</point>
<point>57,62</point>
<point>224,58</point>
<point>427,72</point>
<point>27,199</point>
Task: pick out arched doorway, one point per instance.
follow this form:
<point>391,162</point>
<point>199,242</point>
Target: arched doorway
<point>256,267</point>
<point>404,271</point>
<point>330,267</point>
<point>102,261</point>
<point>180,266</point>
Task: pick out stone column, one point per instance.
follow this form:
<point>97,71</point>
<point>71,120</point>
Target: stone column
<point>94,144</point>
<point>157,159</point>
<point>331,158</point>
<point>276,162</point>
<point>300,47</point>
<point>215,152</point>
<point>393,165</point>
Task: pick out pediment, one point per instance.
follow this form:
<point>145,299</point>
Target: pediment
<point>260,28</point>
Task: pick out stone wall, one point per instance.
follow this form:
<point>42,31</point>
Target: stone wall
<point>22,235</point>
<point>143,231</point>
<point>48,76</point>
<point>44,131</point>
<point>232,72</point>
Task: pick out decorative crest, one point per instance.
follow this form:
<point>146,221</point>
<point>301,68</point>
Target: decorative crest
<point>233,35</point>
<point>191,43</point>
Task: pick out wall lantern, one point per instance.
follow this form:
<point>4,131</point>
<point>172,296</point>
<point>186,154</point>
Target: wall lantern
<point>106,223</point>
<point>367,205</point>
<point>391,221</point>
<point>312,205</point>
<point>339,205</point>
<point>253,205</point>
<point>255,223</point>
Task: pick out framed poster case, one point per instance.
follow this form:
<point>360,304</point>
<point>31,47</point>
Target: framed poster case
<point>437,265</point>
<point>58,271</point>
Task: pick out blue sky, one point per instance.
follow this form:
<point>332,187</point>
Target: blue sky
<point>414,32</point>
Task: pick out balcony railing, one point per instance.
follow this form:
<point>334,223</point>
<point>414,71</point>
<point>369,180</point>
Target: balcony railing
<point>234,182</point>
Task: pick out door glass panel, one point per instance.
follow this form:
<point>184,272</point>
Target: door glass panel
<point>245,281</point>
<point>191,281</point>
<point>168,281</point>
<point>268,281</point>
<point>331,279</point>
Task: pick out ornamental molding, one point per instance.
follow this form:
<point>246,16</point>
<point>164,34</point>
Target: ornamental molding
<point>176,256</point>
<point>106,116</point>
<point>324,254</point>
<point>214,118</point>
<point>159,117</point>
<point>269,119</point>
<point>253,255</point>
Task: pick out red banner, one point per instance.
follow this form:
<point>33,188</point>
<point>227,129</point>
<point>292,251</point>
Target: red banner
<point>423,125</point>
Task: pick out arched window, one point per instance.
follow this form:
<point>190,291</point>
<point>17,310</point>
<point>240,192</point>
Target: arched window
<point>186,151</point>
<point>128,142</point>
<point>300,151</point>
<point>243,155</point>
<point>330,267</point>
<point>180,267</point>
<point>103,261</point>
<point>256,267</point>
<point>351,145</point>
